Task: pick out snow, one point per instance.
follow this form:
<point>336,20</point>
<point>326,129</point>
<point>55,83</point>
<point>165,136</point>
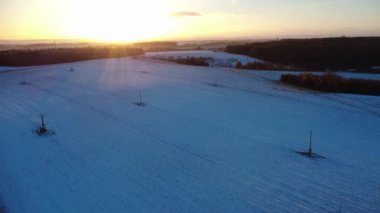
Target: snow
<point>4,69</point>
<point>11,69</point>
<point>194,147</point>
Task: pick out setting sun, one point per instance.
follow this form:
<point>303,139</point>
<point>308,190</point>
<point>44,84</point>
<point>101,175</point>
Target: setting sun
<point>117,20</point>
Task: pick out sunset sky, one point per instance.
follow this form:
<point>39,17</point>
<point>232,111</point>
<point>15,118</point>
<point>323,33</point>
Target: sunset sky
<point>138,20</point>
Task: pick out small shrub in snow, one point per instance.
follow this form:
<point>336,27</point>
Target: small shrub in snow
<point>42,130</point>
<point>23,82</point>
<point>309,153</point>
<point>140,103</point>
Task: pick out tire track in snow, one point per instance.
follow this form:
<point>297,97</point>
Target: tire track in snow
<point>372,109</point>
<point>159,137</point>
<point>133,180</point>
<point>285,186</point>
<point>3,209</point>
<point>163,76</point>
<point>277,187</point>
<point>143,131</point>
<point>117,96</point>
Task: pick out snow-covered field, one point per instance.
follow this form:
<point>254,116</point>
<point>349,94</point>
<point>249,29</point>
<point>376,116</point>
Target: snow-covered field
<point>193,147</point>
<point>7,69</point>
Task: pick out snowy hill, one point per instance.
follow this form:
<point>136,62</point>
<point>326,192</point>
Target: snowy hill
<point>207,140</point>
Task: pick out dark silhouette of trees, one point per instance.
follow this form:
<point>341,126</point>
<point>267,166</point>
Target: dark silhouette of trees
<point>260,66</point>
<point>331,82</point>
<point>30,57</point>
<point>360,53</point>
<point>195,61</point>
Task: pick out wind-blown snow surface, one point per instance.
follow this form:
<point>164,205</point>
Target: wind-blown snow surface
<point>194,147</point>
<point>8,69</point>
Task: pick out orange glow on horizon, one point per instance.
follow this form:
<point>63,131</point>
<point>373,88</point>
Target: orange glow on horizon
<point>116,21</point>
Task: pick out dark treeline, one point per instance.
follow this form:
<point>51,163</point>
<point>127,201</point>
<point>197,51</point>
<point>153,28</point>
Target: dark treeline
<point>359,53</point>
<point>195,61</point>
<point>333,83</point>
<point>263,66</point>
<point>201,61</point>
<point>30,57</point>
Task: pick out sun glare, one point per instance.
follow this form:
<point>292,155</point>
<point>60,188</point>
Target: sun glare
<point>118,20</point>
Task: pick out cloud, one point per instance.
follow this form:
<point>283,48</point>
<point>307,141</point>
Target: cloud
<point>183,14</point>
